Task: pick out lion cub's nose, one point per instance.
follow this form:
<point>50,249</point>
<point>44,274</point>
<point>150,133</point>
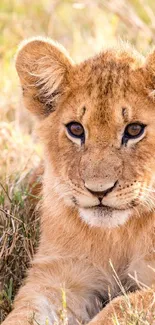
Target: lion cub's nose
<point>100,190</point>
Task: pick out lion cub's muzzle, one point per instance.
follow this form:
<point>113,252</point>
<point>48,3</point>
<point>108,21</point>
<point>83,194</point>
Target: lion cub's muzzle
<point>101,190</point>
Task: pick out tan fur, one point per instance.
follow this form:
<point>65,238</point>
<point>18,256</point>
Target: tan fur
<point>84,249</point>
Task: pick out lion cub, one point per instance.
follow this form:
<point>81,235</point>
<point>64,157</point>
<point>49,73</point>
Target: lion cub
<point>97,123</point>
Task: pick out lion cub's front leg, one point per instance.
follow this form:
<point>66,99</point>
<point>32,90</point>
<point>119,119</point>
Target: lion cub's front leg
<point>135,308</point>
<point>32,306</point>
<point>52,295</point>
<point>40,308</point>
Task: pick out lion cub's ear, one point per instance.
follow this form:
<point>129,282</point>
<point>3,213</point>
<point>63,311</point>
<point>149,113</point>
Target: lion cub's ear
<point>43,68</point>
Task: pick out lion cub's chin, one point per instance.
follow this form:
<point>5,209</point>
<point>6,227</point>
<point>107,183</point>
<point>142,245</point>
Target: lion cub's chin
<point>102,217</point>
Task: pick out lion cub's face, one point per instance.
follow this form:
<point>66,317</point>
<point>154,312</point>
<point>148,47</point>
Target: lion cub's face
<point>98,128</point>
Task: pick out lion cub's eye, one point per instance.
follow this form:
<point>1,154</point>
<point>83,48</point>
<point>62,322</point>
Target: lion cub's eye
<point>75,130</point>
<point>133,131</point>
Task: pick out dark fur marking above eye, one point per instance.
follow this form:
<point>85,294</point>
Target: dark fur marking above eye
<point>82,112</point>
<point>123,111</point>
<point>125,114</point>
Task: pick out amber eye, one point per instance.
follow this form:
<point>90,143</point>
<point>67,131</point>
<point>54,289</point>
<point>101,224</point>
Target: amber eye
<point>133,131</point>
<point>75,130</point>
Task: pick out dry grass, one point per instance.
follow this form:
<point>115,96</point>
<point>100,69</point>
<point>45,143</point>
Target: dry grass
<point>19,222</point>
<point>133,316</point>
<point>137,314</point>
<point>78,25</point>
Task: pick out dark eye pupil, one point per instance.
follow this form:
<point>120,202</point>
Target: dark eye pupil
<point>134,129</point>
<point>75,130</point>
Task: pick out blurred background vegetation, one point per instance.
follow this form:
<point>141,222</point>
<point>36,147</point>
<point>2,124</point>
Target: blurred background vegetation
<point>84,28</point>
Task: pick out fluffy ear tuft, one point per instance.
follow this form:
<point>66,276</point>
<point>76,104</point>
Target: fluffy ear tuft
<point>43,67</point>
<point>150,62</point>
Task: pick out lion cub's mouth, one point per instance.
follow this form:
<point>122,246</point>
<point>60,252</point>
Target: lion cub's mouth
<point>102,207</point>
<point>101,210</point>
<point>101,215</point>
<point>104,216</point>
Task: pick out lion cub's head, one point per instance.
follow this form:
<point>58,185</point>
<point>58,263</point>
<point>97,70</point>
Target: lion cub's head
<point>97,121</point>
